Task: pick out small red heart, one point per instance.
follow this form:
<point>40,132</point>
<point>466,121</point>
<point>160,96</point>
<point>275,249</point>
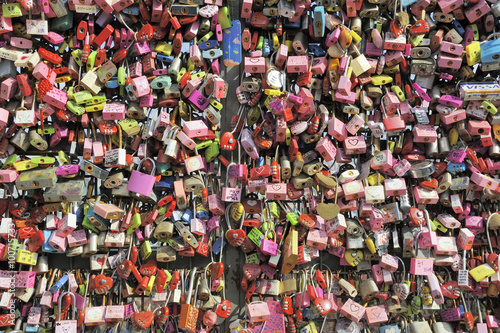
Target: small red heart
<point>101,260</point>
<point>430,184</point>
<point>236,237</point>
<point>216,269</point>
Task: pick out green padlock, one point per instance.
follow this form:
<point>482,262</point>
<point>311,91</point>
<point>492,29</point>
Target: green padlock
<point>252,259</point>
<point>255,236</point>
<point>274,209</point>
<point>77,55</point>
<point>181,73</point>
<point>96,99</point>
<point>75,108</point>
<point>253,116</point>
<point>12,10</point>
<point>145,250</point>
<point>293,218</point>
<point>47,129</point>
<point>134,223</point>
<point>63,158</point>
<point>205,38</point>
<point>82,97</point>
<point>162,168</point>
<point>212,152</point>
<point>9,162</point>
<point>71,93</point>
<point>121,75</point>
<point>91,61</point>
<point>224,18</point>
<point>203,144</point>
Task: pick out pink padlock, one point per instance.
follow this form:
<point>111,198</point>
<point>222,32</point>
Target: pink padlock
<point>337,129</point>
<point>66,225</point>
<point>336,226</point>
<point>57,242</point>
<point>255,65</point>
<point>317,239</point>
<point>376,219</point>
<point>354,145</point>
<point>465,239</point>
<point>276,191</point>
<point>297,64</point>
<point>327,149</point>
<point>140,86</point>
<point>8,176</point>
<point>388,262</point>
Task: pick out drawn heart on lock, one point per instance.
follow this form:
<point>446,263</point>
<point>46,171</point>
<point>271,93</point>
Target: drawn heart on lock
<point>7,320</point>
<point>251,271</point>
<point>390,330</point>
<point>430,184</point>
<point>260,170</point>
<point>224,309</point>
<point>353,142</point>
<point>328,211</point>
<point>103,284</point>
<point>322,305</point>
<point>235,237</point>
<point>149,268</point>
<point>215,270</point>
<point>142,320</point>
<point>401,290</point>
<point>101,260</point>
<point>276,187</point>
<point>354,307</point>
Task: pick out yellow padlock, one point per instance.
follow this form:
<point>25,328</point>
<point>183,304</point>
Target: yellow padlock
<point>481,272</point>
<point>25,165</point>
<point>26,257</point>
<point>150,286</point>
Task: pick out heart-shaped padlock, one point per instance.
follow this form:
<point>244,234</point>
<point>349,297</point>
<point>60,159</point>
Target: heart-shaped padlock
<point>236,237</point>
<point>216,269</point>
<point>227,141</point>
<point>430,184</point>
<point>142,320</point>
<point>103,284</point>
<point>18,207</point>
<point>161,315</point>
<point>124,269</point>
<point>328,211</point>
<point>493,261</point>
<point>353,256</point>
<point>209,318</point>
<point>149,268</point>
<point>401,290</point>
<point>224,309</point>
<point>451,290</point>
<point>145,34</point>
<point>251,271</point>
<point>323,306</point>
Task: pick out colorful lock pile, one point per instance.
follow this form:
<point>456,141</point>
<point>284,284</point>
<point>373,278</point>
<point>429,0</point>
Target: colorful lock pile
<point>347,151</point>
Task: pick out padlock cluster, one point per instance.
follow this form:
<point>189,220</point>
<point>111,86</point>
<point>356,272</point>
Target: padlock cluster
<point>355,170</point>
<point>369,183</point>
<point>110,136</point>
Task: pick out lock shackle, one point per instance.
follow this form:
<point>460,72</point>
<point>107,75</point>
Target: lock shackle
<point>73,305</point>
<point>148,159</point>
